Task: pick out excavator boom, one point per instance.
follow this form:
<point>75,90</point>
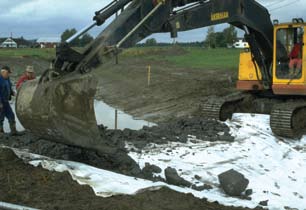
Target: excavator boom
<point>59,106</point>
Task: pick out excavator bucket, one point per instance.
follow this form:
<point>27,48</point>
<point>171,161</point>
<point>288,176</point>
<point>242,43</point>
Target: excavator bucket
<point>61,110</point>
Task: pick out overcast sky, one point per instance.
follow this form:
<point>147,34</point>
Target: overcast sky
<point>49,18</point>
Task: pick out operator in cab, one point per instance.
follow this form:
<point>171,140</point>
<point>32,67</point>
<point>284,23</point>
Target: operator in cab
<point>6,93</point>
<point>27,76</point>
<point>295,56</point>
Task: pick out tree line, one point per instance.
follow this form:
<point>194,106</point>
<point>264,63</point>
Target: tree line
<point>162,44</point>
<point>213,39</point>
<point>225,38</point>
<point>80,42</point>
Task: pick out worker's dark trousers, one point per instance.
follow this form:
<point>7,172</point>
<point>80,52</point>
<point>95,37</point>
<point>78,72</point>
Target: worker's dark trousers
<point>8,113</point>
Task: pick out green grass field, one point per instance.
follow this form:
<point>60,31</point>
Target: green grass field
<point>46,54</point>
<point>208,58</point>
<point>193,57</point>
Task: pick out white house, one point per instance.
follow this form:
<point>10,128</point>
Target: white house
<point>8,43</point>
<point>241,44</point>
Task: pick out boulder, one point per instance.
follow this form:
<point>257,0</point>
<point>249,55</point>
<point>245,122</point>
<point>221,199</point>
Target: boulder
<point>248,192</point>
<point>202,187</point>
<point>232,182</point>
<point>149,169</point>
<point>264,203</point>
<point>172,177</point>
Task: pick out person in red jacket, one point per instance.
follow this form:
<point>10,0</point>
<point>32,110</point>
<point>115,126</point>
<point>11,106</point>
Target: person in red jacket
<point>296,56</point>
<point>28,75</point>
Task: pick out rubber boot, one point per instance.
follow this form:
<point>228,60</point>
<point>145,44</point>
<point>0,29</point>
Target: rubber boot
<point>13,129</point>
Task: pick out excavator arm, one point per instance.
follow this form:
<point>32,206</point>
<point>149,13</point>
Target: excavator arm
<point>121,32</point>
<point>59,106</point>
<point>247,15</point>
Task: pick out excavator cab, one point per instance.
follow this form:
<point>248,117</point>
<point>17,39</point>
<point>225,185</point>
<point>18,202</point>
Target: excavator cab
<point>289,69</point>
<point>289,63</point>
<point>287,86</point>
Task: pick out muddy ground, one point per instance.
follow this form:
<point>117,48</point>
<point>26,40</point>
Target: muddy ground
<point>119,161</point>
<point>23,184</point>
<point>19,64</point>
<point>174,97</point>
<point>173,92</point>
<point>49,190</point>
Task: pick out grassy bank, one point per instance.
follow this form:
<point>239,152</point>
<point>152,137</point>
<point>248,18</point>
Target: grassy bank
<point>220,59</point>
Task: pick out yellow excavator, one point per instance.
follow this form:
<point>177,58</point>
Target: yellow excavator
<point>272,72</point>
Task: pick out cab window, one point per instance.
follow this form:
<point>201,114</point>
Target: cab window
<point>289,53</point>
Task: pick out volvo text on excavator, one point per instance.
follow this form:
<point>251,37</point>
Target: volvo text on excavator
<point>59,105</point>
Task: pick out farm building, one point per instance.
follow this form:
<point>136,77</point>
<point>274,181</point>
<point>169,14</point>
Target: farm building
<point>24,43</point>
<point>21,42</point>
<point>51,42</point>
<point>8,43</point>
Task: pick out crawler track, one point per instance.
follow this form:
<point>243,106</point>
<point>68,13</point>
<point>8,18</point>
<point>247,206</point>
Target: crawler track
<point>288,119</point>
<point>288,116</point>
<point>222,108</point>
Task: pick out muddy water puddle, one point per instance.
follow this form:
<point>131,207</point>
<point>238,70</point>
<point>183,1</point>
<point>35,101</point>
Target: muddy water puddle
<point>106,115</point>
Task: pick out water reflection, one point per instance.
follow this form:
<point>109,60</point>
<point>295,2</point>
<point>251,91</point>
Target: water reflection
<point>106,115</point>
